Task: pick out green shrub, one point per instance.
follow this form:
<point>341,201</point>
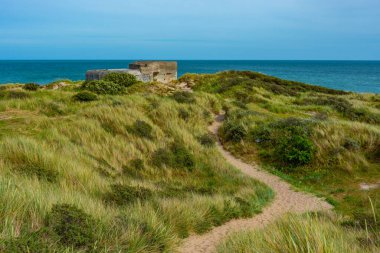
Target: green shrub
<point>34,242</point>
<point>138,164</point>
<point>162,157</point>
<point>39,170</point>
<point>182,157</point>
<point>286,141</point>
<point>85,96</point>
<point>72,226</point>
<point>295,150</point>
<point>102,87</point>
<point>142,129</point>
<point>207,140</point>
<point>31,86</point>
<point>124,194</point>
<point>177,157</point>
<point>183,114</point>
<point>123,79</point>
<point>184,97</point>
<point>351,144</point>
<point>233,131</point>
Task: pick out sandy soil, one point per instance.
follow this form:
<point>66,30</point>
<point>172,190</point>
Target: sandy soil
<point>286,201</point>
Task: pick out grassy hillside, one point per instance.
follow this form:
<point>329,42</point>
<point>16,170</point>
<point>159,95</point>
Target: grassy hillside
<point>321,140</point>
<point>133,172</point>
<point>121,166</point>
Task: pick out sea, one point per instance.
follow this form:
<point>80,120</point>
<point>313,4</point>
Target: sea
<point>358,76</point>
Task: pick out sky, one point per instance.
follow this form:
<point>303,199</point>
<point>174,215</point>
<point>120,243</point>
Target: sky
<point>190,29</point>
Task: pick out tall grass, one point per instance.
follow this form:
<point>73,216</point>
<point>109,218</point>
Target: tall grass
<point>61,152</point>
<point>299,234</point>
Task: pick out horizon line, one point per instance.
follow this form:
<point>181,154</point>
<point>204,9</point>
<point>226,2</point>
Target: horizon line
<point>188,59</point>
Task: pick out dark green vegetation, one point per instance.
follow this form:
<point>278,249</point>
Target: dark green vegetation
<point>31,86</point>
<point>177,156</point>
<point>103,87</point>
<point>122,173</point>
<point>64,226</point>
<point>207,140</point>
<point>111,84</point>
<point>142,129</point>
<point>321,140</point>
<point>123,79</point>
<point>184,97</point>
<point>85,96</point>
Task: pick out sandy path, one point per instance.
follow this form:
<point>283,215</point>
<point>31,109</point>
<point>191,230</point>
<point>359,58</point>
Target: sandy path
<point>286,200</point>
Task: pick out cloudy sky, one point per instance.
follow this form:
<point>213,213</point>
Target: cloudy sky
<point>190,29</point>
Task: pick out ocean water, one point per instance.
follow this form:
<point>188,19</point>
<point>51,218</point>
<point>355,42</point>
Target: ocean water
<point>359,76</point>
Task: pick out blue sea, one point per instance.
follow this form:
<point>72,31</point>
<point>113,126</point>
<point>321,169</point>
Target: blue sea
<point>359,76</point>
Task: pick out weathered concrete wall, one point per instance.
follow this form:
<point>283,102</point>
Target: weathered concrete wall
<point>157,70</point>
<point>145,71</point>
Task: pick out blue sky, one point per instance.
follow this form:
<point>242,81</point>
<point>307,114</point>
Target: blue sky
<point>190,29</point>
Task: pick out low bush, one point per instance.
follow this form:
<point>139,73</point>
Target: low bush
<point>124,194</point>
<point>207,140</point>
<point>31,86</point>
<point>351,144</point>
<point>65,226</point>
<point>123,79</point>
<point>295,150</point>
<point>85,96</point>
<point>183,114</point>
<point>138,164</point>
<point>72,226</point>
<point>142,129</point>
<point>182,157</point>
<point>39,170</point>
<point>103,87</point>
<point>234,131</point>
<point>34,242</point>
<point>184,97</point>
<point>176,157</point>
<point>162,157</point>
<point>286,141</point>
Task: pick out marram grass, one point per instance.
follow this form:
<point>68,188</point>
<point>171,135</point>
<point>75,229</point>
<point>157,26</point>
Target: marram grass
<point>299,234</point>
<point>60,154</point>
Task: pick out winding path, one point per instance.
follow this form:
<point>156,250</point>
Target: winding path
<point>286,201</point>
